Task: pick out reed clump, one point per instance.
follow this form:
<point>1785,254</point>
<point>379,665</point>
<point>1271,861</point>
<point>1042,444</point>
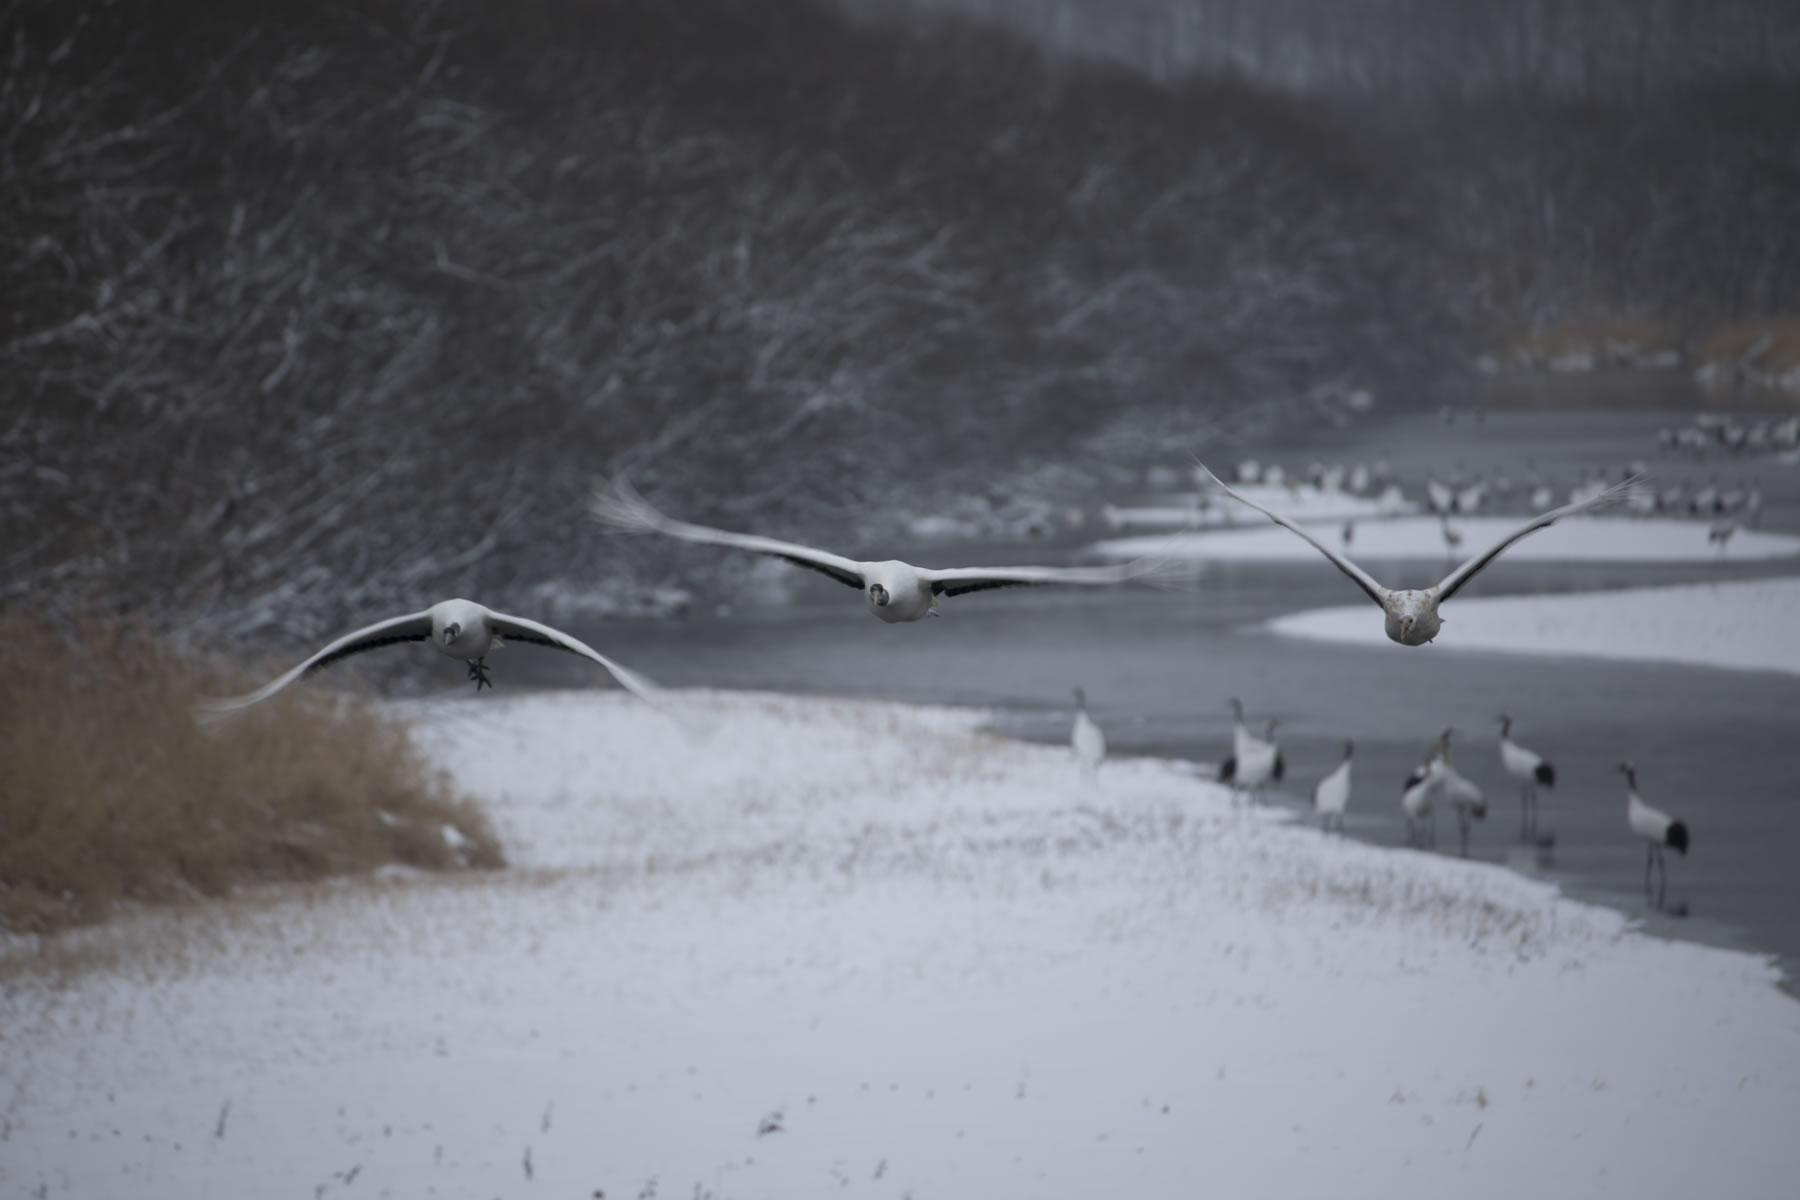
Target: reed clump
<point>111,791</point>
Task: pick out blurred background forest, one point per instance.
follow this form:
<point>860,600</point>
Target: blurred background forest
<point>320,311</point>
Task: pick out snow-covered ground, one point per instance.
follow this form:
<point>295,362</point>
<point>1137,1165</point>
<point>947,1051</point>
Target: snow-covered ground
<point>1304,502</point>
<point>851,948</point>
<point>1749,625</point>
<point>1578,539</point>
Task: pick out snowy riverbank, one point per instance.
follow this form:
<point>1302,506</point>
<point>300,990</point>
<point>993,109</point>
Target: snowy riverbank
<point>1745,625</point>
<point>865,949</point>
<point>1578,539</point>
<point>1209,510</point>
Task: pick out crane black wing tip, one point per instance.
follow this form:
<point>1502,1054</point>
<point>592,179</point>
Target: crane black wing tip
<point>1210,474</point>
<point>615,503</point>
<point>1620,492</point>
<point>1677,837</point>
<point>696,727</point>
<point>1163,571</point>
<point>639,686</point>
<point>509,628</point>
<point>212,712</point>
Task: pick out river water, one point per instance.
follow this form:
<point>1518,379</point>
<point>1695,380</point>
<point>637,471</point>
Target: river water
<point>1719,749</point>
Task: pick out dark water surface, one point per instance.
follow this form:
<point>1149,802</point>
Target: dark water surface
<point>1719,749</point>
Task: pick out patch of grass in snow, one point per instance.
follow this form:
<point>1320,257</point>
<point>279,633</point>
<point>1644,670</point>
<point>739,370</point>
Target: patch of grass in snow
<point>1368,889</point>
<point>1607,339</point>
<point>1769,343</point>
<point>110,791</point>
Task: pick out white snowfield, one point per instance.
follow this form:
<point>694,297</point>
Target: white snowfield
<point>858,949</point>
<point>1745,625</point>
<point>1576,539</point>
<point>1304,502</point>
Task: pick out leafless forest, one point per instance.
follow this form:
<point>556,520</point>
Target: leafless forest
<point>315,310</point>
<point>1611,50</point>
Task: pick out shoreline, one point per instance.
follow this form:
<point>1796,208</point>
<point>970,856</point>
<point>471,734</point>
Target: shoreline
<point>1651,540</point>
<point>868,937</point>
<point>1744,625</point>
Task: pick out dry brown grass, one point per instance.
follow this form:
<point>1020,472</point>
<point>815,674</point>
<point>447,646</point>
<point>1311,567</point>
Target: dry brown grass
<point>1609,340</point>
<point>1769,343</point>
<point>111,791</point>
